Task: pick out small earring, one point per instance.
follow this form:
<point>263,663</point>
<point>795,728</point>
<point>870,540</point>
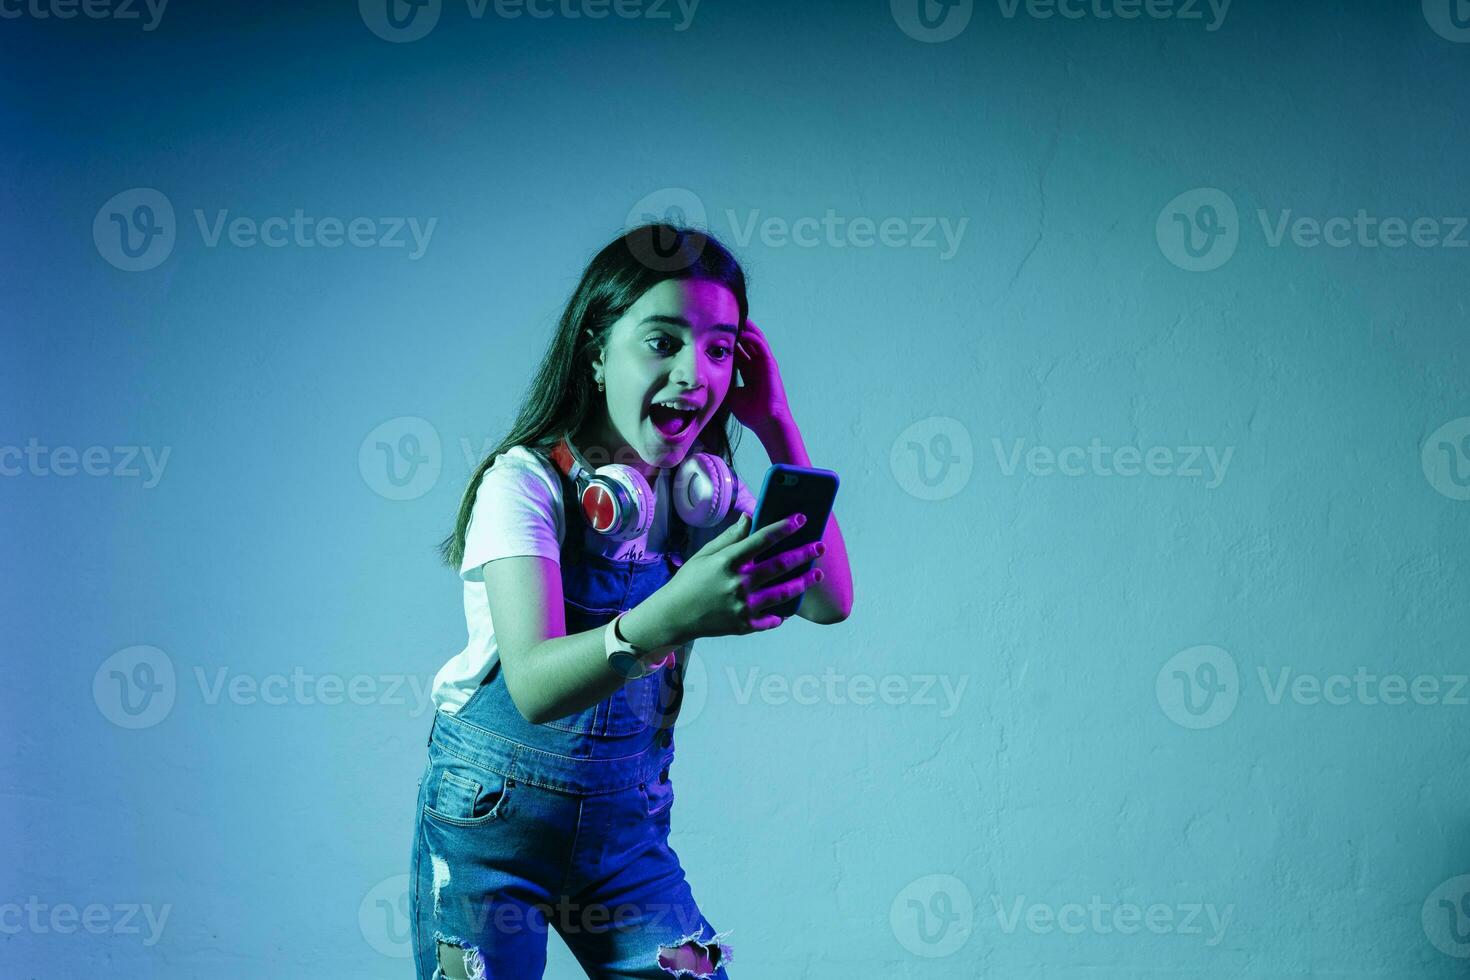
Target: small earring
<point>600,386</point>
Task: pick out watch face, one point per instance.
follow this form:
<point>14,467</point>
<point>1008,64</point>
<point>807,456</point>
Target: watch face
<point>624,663</point>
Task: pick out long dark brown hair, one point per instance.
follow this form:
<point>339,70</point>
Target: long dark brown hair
<point>563,394</point>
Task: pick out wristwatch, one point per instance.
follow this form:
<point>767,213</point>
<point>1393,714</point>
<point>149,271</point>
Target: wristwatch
<point>624,657</point>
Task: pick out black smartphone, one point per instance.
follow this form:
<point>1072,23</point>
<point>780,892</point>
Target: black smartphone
<point>788,490</point>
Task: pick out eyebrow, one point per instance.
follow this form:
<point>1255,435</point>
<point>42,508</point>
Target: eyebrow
<point>679,321</point>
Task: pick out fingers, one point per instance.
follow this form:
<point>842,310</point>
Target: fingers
<point>758,542</point>
<point>783,563</point>
<point>752,342</point>
<point>776,594</point>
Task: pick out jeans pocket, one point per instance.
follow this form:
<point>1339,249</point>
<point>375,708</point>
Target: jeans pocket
<point>467,797</point>
<point>658,794</point>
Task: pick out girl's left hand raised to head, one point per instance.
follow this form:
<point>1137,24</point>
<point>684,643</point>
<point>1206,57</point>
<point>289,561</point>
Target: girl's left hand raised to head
<point>762,400</point>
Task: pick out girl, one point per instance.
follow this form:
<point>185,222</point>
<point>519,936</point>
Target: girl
<point>601,538</point>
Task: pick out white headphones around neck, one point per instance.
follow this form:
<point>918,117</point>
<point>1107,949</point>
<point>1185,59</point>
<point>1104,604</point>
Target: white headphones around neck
<point>618,502</point>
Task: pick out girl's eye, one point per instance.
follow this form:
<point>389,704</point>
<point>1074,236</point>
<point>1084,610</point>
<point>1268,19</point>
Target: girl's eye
<point>720,351</point>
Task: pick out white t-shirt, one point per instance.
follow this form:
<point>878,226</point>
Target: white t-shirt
<point>518,511</point>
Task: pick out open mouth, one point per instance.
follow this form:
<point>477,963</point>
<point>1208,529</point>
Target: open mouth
<point>671,422</point>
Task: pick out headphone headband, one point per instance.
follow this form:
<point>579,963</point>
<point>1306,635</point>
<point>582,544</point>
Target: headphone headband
<point>568,460</point>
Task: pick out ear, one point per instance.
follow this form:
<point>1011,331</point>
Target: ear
<point>597,357</point>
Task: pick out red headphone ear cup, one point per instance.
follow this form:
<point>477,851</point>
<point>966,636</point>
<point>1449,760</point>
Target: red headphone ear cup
<point>600,506</point>
<point>632,514</point>
<point>704,490</point>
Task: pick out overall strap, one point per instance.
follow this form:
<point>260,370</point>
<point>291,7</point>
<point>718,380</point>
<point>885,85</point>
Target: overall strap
<point>573,521</point>
<point>678,542</point>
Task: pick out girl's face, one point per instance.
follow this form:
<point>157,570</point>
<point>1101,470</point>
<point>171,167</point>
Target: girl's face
<point>675,345</point>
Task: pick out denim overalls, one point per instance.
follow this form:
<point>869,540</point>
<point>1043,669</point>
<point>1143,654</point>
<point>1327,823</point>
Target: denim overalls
<point>566,824</point>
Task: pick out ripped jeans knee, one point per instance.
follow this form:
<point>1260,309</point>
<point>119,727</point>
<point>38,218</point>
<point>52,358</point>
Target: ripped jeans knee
<point>459,960</point>
<point>695,957</point>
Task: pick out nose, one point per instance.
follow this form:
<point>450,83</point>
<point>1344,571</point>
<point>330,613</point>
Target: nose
<point>687,371</point>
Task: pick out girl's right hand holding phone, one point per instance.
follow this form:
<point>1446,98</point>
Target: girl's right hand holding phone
<point>721,590</point>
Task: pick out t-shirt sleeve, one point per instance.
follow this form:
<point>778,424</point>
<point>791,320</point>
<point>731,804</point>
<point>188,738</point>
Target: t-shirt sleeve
<point>516,512</point>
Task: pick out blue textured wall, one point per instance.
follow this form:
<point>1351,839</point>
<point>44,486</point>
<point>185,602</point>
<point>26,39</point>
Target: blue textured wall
<point>1155,476</point>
